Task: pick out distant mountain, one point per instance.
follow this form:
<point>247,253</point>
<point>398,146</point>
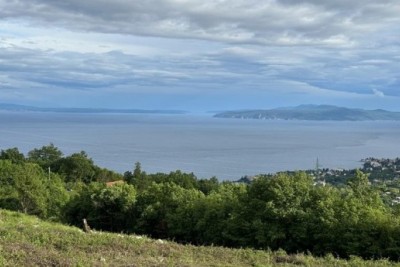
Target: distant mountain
<point>13,107</point>
<point>314,113</point>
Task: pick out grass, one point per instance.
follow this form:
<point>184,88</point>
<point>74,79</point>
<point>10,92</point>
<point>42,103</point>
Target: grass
<point>29,241</point>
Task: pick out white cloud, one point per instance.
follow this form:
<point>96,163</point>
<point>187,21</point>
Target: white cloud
<point>378,93</point>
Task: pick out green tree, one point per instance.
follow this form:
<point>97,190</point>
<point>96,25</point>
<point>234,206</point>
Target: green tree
<point>137,172</point>
<point>274,211</point>
<point>128,177</point>
<point>8,194</point>
<point>323,219</point>
<point>215,212</point>
<point>46,156</point>
<point>77,167</point>
<point>359,182</point>
<point>13,155</point>
<point>23,188</point>
<point>105,208</point>
<point>182,215</point>
<point>138,178</point>
<point>31,189</point>
<point>105,175</point>
<point>57,197</point>
<point>158,207</point>
<point>185,180</point>
<point>208,185</point>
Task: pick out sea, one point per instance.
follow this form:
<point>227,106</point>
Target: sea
<point>225,148</point>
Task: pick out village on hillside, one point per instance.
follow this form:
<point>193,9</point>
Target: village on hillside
<point>382,173</point>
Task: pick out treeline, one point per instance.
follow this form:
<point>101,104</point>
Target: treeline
<point>283,211</point>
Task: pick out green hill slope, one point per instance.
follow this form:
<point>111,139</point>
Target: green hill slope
<point>28,241</point>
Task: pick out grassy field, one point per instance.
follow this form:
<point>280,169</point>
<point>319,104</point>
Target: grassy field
<point>29,241</point>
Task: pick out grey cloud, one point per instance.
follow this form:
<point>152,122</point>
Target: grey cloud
<point>27,68</point>
<point>265,42</point>
<point>242,21</point>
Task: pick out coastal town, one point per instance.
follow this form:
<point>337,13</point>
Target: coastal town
<point>383,173</point>
<point>378,170</point>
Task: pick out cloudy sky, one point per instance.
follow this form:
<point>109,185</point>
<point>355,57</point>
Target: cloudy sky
<point>200,54</point>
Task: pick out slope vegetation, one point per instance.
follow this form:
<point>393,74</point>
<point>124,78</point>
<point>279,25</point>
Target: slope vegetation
<point>29,241</point>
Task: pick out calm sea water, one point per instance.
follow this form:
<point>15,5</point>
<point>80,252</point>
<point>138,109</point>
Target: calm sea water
<point>226,148</point>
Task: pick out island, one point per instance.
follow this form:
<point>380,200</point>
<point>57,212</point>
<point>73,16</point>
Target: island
<point>313,113</point>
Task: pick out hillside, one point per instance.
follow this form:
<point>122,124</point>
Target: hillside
<point>312,112</point>
<point>28,241</point>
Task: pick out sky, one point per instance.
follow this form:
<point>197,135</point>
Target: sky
<point>200,55</point>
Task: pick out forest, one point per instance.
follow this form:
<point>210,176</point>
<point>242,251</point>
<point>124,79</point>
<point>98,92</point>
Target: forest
<point>286,211</point>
